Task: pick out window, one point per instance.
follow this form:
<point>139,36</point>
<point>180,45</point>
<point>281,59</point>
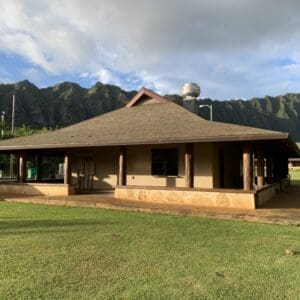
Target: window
<point>164,162</point>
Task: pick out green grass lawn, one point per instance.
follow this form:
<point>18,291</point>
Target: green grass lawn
<point>295,175</point>
<point>80,253</point>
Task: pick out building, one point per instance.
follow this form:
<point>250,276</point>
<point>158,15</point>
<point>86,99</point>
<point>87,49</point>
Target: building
<point>294,163</point>
<point>154,150</point>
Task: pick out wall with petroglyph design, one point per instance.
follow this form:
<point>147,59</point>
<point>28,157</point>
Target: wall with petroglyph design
<point>199,198</point>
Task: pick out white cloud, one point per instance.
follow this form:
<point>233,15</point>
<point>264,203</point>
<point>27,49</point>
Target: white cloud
<point>4,76</point>
<point>229,47</point>
<point>32,74</point>
<point>102,75</point>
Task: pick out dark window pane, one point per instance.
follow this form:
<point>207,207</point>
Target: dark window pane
<point>165,162</point>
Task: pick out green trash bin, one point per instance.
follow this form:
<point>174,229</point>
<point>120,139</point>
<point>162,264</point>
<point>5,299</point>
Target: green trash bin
<point>31,173</point>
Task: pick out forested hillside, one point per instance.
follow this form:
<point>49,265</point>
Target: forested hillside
<point>68,103</point>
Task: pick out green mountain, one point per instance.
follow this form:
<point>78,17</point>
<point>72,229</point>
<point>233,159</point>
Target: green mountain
<point>281,113</point>
<point>61,105</point>
<point>67,103</point>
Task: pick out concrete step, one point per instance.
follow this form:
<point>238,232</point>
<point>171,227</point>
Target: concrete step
<point>273,216</point>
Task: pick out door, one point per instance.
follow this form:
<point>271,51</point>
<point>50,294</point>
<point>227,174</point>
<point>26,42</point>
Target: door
<point>85,174</point>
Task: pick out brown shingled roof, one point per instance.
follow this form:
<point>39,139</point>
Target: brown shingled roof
<point>149,119</point>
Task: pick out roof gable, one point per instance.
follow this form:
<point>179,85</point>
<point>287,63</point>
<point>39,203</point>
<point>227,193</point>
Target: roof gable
<point>145,96</point>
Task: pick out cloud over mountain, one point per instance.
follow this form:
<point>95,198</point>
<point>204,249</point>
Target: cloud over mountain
<point>233,48</point>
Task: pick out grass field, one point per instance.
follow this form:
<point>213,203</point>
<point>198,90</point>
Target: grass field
<point>80,253</point>
<point>295,176</point>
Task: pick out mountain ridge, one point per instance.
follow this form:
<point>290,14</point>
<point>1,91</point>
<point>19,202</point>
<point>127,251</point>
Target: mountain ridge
<point>67,103</point>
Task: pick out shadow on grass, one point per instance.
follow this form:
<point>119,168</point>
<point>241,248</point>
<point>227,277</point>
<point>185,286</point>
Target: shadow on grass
<point>20,226</point>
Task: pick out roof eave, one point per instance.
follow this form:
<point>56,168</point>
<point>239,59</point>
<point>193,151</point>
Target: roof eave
<point>277,136</point>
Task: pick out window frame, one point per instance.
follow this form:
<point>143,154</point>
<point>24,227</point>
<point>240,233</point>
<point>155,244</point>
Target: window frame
<point>166,161</point>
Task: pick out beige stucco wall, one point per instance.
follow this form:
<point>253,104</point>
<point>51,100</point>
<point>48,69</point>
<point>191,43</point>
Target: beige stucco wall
<point>104,168</point>
<point>198,198</point>
<point>203,165</point>
<point>206,166</point>
<point>139,166</point>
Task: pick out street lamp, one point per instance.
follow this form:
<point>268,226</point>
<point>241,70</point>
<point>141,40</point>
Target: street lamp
<point>210,109</point>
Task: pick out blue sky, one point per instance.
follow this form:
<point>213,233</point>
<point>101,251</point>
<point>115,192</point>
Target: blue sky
<point>232,49</point>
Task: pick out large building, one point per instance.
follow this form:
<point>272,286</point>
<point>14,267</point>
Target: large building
<point>154,150</point>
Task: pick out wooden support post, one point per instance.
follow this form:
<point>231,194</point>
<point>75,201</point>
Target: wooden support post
<point>22,167</point>
<point>260,167</point>
<point>189,165</point>
<point>67,169</point>
<point>247,167</point>
<point>122,166</point>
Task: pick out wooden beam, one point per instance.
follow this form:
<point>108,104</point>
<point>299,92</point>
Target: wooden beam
<point>122,166</point>
<point>67,169</point>
<point>189,165</point>
<point>22,167</point>
<point>247,167</point>
<point>260,167</point>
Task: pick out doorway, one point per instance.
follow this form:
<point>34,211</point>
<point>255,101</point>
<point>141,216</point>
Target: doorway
<point>221,169</point>
<point>85,174</point>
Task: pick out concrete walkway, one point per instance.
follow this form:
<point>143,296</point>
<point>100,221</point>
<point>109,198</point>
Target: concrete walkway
<point>283,209</point>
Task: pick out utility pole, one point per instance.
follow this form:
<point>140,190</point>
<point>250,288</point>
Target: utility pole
<point>2,123</point>
<point>11,161</point>
<point>13,113</point>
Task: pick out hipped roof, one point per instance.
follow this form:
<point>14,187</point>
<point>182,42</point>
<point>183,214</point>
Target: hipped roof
<point>147,119</point>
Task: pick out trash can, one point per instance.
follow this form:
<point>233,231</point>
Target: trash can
<point>31,173</point>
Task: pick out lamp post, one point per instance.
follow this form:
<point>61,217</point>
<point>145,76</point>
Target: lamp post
<point>13,113</point>
<point>11,161</point>
<point>210,109</point>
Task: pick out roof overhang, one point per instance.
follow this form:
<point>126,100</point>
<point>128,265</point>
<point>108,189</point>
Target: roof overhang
<point>276,137</point>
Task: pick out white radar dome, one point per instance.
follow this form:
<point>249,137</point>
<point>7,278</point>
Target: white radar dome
<point>190,91</point>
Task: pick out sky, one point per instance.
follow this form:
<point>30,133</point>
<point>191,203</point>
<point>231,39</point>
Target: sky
<point>232,49</point>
